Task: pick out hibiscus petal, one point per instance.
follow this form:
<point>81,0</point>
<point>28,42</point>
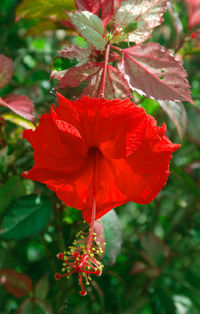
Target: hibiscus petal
<point>72,188</point>
<point>143,174</point>
<point>110,149</point>
<point>55,149</point>
<point>117,127</point>
<point>108,194</point>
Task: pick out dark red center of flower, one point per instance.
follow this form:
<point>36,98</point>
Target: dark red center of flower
<point>94,150</point>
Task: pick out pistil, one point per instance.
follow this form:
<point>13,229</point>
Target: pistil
<point>83,256</point>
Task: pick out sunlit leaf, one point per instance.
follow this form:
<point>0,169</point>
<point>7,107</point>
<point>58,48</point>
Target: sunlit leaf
<point>15,283</point>
<point>43,8</point>
<point>115,84</point>
<point>10,191</point>
<point>152,71</point>
<point>41,27</point>
<point>90,27</point>
<point>20,104</point>
<point>18,120</point>
<point>147,13</point>
<point>6,70</point>
<point>177,113</point>
<point>26,217</point>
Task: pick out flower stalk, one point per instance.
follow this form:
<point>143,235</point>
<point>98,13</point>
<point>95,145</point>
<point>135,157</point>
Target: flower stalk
<point>107,51</point>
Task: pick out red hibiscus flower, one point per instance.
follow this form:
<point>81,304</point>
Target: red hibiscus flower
<point>108,148</point>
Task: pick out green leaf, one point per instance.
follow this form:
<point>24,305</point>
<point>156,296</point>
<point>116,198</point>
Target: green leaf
<point>42,288</point>
<point>164,301</point>
<point>130,27</point>
<point>113,237</point>
<point>60,63</point>
<point>26,217</point>
<point>194,125</point>
<point>177,113</point>
<point>150,105</point>
<point>90,27</point>
<point>154,250</point>
<point>43,306</point>
<point>71,215</point>
<point>26,307</point>
<point>34,306</point>
<point>9,192</point>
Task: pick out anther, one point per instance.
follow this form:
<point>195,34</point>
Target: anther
<point>98,273</point>
<point>60,255</point>
<point>83,293</point>
<point>57,276</point>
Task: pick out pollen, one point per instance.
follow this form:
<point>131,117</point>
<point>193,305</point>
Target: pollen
<point>83,258</point>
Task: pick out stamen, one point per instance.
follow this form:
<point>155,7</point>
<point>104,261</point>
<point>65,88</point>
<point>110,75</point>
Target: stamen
<point>83,256</point>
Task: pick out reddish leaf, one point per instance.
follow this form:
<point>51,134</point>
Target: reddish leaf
<point>115,85</point>
<point>15,283</point>
<point>194,12</point>
<point>94,6</point>
<point>195,36</point>
<point>20,104</point>
<point>107,10</point>
<point>58,75</point>
<point>88,5</point>
<point>6,70</point>
<point>138,267</point>
<point>146,13</point>
<point>152,71</point>
<point>71,52</point>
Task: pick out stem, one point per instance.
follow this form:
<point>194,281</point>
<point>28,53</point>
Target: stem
<point>105,70</point>
<point>117,48</point>
<point>90,236</point>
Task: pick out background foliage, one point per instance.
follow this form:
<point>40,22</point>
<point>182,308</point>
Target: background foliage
<point>152,264</point>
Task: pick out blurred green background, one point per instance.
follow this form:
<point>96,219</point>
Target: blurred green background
<point>152,265</point>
